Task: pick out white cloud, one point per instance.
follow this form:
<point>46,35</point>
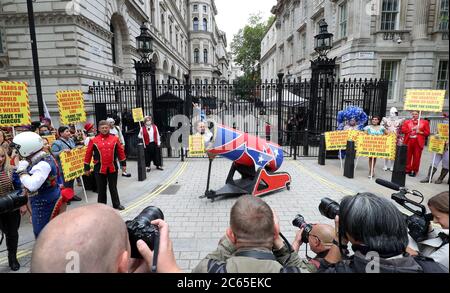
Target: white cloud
<point>234,14</point>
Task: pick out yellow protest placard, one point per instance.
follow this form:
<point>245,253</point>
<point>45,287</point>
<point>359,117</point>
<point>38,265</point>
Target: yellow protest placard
<point>354,134</point>
<point>436,145</point>
<point>196,146</point>
<point>71,107</point>
<point>14,104</point>
<point>336,140</point>
<point>73,163</point>
<point>443,130</point>
<point>138,115</point>
<point>424,100</point>
<point>376,146</point>
<point>50,138</point>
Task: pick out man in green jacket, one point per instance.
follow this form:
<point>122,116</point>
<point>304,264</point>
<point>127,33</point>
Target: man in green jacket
<point>252,244</point>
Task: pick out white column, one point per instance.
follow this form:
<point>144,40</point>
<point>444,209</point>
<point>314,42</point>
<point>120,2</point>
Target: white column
<point>421,20</point>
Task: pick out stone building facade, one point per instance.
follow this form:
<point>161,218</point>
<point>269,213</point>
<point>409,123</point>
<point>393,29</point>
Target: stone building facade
<point>82,41</point>
<point>403,41</point>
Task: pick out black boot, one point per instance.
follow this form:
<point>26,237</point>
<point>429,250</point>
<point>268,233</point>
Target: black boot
<point>427,179</point>
<point>441,178</point>
<point>13,262</point>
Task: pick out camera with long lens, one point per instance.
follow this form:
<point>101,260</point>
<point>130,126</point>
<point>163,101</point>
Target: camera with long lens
<point>299,222</point>
<point>329,208</point>
<point>140,228</point>
<point>419,222</point>
<point>12,202</point>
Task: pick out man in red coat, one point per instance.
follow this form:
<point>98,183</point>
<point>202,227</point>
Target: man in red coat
<point>105,148</point>
<point>415,138</point>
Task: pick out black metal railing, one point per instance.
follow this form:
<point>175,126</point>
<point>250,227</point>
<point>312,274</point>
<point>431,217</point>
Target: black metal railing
<point>292,113</point>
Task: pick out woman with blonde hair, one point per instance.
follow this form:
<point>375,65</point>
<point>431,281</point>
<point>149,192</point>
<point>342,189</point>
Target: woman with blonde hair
<point>10,221</point>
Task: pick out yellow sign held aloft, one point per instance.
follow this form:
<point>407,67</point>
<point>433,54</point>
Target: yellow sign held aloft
<point>14,104</point>
<point>73,163</point>
<point>443,130</point>
<point>196,146</point>
<point>71,107</point>
<point>436,145</point>
<point>138,115</point>
<point>424,100</point>
<point>377,146</point>
<point>50,138</point>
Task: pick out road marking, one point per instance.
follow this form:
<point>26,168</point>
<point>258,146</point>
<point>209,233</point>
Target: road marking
<point>158,191</point>
<point>20,254</point>
<point>326,182</point>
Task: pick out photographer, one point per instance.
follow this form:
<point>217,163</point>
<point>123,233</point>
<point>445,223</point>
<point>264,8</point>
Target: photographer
<point>378,234</point>
<point>320,240</point>
<point>436,246</point>
<point>94,239</point>
<point>252,243</point>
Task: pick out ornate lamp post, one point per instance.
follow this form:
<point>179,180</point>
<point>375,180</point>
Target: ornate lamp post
<point>322,69</point>
<point>145,68</point>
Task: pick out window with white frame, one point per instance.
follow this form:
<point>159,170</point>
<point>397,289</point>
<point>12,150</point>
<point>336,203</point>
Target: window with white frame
<point>389,72</point>
<point>196,55</point>
<point>163,24</point>
<point>343,18</point>
<point>442,77</point>
<point>389,15</point>
<point>303,41</point>
<point>205,24</point>
<point>205,56</point>
<point>291,52</point>
<point>205,9</point>
<point>195,24</point>
<point>195,7</point>
<point>443,15</point>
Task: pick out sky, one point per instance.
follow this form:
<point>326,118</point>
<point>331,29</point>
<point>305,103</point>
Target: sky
<point>234,14</point>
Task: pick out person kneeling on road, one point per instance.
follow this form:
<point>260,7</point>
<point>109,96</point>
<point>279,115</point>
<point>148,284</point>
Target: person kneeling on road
<point>252,243</point>
<point>94,239</point>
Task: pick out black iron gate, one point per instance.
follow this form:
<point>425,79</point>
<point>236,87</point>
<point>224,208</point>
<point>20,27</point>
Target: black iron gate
<point>292,113</point>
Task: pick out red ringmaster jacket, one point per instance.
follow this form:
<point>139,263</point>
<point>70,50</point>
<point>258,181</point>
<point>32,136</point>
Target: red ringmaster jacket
<point>105,149</point>
<point>408,132</point>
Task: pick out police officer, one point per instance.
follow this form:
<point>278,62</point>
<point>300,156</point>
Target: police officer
<point>252,243</point>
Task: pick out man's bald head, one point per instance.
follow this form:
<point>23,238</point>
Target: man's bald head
<point>325,233</point>
<point>95,233</point>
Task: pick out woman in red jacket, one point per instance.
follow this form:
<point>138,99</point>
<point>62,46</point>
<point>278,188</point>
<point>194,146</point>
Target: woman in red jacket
<point>415,137</point>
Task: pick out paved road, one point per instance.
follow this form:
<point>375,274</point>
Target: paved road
<point>197,224</point>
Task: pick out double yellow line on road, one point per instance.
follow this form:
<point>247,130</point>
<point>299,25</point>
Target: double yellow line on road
<point>138,203</point>
<point>158,191</point>
<point>324,181</point>
<point>20,254</point>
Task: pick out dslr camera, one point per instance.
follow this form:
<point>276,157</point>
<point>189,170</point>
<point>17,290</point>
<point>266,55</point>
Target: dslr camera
<point>329,208</point>
<point>299,222</point>
<point>419,222</point>
<point>12,202</point>
<point>140,228</point>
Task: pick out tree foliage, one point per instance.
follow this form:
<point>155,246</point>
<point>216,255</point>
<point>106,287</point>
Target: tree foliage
<point>246,45</point>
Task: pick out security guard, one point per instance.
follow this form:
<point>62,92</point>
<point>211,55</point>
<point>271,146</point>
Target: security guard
<point>252,244</point>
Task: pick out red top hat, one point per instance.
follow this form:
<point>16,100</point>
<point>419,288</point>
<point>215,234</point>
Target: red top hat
<point>88,126</point>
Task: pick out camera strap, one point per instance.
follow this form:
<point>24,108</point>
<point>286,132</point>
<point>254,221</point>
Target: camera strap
<point>155,252</point>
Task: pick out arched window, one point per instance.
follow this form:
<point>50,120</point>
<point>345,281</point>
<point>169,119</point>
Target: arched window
<point>196,55</point>
<point>113,44</point>
<point>205,24</point>
<point>205,56</point>
<point>195,24</point>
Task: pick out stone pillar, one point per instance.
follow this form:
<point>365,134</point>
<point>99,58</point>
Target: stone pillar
<point>420,27</point>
